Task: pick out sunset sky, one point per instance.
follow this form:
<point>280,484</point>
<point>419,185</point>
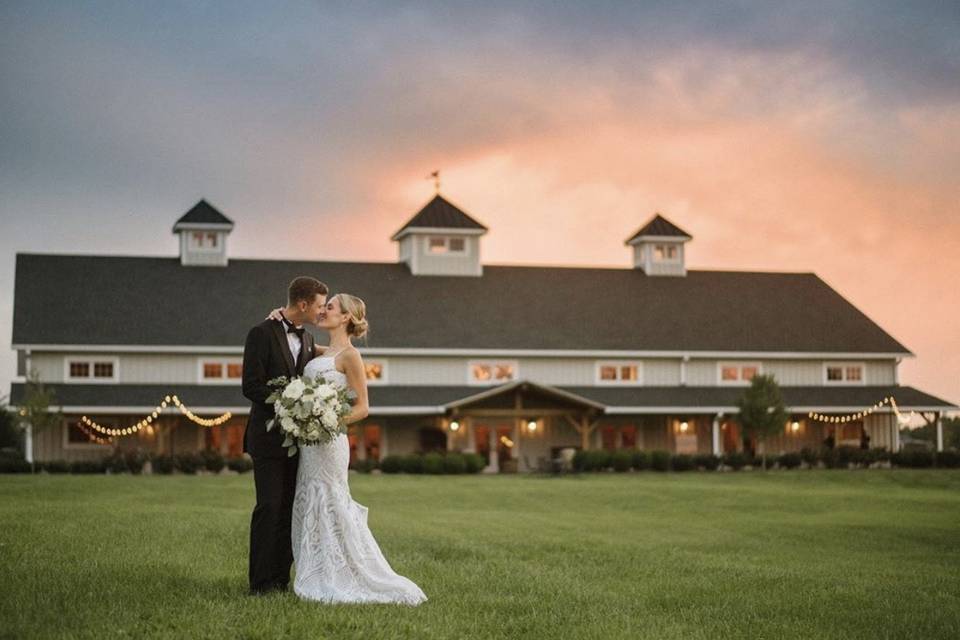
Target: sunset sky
<point>811,136</point>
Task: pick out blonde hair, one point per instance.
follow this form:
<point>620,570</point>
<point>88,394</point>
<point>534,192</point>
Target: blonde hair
<point>356,310</point>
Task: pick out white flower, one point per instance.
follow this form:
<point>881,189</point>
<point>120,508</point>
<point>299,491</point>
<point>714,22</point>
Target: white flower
<point>288,424</point>
<point>326,391</point>
<point>294,390</point>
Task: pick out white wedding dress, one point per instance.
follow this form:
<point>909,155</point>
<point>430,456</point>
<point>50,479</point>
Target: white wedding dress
<point>335,556</point>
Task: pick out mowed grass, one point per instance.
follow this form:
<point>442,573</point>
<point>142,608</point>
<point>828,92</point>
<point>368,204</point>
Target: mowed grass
<point>842,554</point>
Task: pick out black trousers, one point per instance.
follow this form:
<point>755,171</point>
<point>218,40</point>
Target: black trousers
<point>271,550</point>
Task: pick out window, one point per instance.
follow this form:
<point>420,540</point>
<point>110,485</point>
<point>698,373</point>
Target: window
<point>205,240</point>
<point>88,370</point>
<point>843,373</point>
<point>618,373</point>
<point>665,252</point>
<point>220,370</point>
<point>445,245</point>
<point>492,372</point>
<point>376,371</point>
<point>737,372</point>
<point>78,435</point>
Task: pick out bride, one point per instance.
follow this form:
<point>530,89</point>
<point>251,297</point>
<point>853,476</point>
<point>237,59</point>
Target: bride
<point>335,555</point>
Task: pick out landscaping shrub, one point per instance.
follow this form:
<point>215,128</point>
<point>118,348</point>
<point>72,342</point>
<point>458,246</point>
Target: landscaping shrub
<point>917,459</point>
<point>239,464</point>
<point>163,464</point>
<point>599,460</point>
<point>706,461</point>
<point>13,465</point>
<point>87,466</point>
<point>736,460</point>
<point>55,466</point>
<point>475,462</point>
<point>660,460</point>
<point>413,463</point>
<point>641,460</point>
<point>115,462</point>
<point>580,460</point>
<point>433,463</point>
<point>212,460</point>
<point>391,464</point>
<point>847,456</point>
<point>188,463</point>
<point>364,466</point>
<point>454,463</point>
<point>789,460</point>
<point>682,462</point>
<point>810,456</point>
<point>622,460</point>
<point>948,459</point>
<point>135,459</point>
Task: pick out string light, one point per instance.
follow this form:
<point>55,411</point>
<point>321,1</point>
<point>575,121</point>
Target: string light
<point>92,436</point>
<point>147,421</point>
<point>863,413</point>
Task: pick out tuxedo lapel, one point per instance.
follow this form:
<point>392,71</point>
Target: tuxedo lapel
<point>281,336</point>
<point>306,344</point>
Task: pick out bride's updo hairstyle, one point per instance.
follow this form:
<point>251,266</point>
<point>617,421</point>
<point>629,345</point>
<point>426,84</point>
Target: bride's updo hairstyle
<point>356,310</point>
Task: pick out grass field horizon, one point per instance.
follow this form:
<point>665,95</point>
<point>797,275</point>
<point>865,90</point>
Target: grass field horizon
<point>802,554</point>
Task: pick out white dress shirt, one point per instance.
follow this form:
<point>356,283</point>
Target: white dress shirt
<point>293,340</point>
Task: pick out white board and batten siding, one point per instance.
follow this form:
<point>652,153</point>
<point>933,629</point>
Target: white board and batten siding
<point>185,368</point>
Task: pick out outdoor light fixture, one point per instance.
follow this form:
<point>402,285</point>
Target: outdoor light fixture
<point>531,426</point>
<point>684,425</point>
<point>795,426</point>
<point>454,426</point>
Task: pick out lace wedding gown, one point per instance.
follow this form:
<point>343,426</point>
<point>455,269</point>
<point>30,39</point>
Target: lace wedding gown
<point>335,555</point>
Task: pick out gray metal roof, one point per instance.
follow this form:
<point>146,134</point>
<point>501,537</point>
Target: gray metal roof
<point>203,213</point>
<point>100,300</point>
<point>658,226</point>
<point>440,213</point>
<point>691,398</point>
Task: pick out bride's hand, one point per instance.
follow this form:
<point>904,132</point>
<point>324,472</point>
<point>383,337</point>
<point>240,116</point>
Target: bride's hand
<point>275,315</point>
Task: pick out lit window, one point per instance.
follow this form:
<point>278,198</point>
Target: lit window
<point>212,370</point>
<point>738,372</point>
<point>747,373</point>
<point>103,370</point>
<point>854,374</point>
<point>492,372</point>
<point>438,245</point>
<point>79,369</point>
<point>374,370</point>
<point>843,372</point>
<point>613,372</point>
<point>608,373</point>
<point>729,374</point>
<point>234,370</point>
<point>663,252</point>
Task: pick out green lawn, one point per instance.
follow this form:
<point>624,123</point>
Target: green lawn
<point>802,554</point>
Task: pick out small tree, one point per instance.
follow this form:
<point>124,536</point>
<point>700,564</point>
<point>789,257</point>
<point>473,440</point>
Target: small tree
<point>35,412</point>
<point>762,413</point>
<point>10,436</point>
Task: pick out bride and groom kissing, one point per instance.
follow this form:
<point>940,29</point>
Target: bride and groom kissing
<point>305,516</point>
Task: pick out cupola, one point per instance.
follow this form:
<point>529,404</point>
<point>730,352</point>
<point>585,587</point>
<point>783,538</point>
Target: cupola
<point>203,236</point>
<point>658,248</point>
<point>441,240</point>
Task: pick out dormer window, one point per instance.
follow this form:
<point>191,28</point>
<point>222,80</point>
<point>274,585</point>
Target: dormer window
<point>843,373</point>
<point>615,372</point>
<point>737,373</point>
<point>446,245</point>
<point>201,240</point>
<point>665,252</point>
<point>203,235</point>
<point>492,371</point>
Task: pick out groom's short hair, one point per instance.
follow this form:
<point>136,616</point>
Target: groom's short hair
<point>306,289</point>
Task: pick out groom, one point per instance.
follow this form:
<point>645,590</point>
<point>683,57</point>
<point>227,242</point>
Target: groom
<point>275,349</point>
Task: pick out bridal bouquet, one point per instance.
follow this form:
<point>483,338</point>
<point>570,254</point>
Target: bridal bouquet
<point>308,410</point>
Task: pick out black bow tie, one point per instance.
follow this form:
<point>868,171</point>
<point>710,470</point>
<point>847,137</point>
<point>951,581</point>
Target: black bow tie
<point>293,329</point>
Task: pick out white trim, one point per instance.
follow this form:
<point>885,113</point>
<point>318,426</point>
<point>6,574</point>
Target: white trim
<point>493,381</point>
<point>862,382</point>
<point>91,361</point>
<point>406,411</point>
<point>739,364</point>
<point>507,386</point>
<point>645,238</point>
<point>793,409</point>
<point>169,411</point>
<point>225,380</point>
<point>202,226</point>
<point>66,445</point>
<point>428,351</point>
<point>449,231</point>
<point>384,376</point>
<point>599,364</point>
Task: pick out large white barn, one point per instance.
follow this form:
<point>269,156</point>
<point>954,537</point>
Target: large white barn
<point>514,362</point>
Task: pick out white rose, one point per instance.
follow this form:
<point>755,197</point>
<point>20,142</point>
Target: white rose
<point>326,391</point>
<point>287,423</point>
<point>294,390</point>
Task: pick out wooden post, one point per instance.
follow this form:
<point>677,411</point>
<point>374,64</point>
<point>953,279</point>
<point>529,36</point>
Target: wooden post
<point>584,427</point>
<point>716,434</point>
<point>939,431</point>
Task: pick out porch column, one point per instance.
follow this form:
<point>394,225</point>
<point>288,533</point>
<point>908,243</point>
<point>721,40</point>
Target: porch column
<point>383,439</point>
<point>939,432</point>
<point>515,450</point>
<point>716,434</point>
<point>494,466</point>
<point>896,434</point>
<point>471,446</point>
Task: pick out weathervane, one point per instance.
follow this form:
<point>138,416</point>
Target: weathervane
<point>436,179</point>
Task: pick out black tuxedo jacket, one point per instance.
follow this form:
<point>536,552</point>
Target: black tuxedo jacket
<point>266,355</point>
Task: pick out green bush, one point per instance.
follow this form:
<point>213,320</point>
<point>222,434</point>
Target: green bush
<point>87,466</point>
<point>188,463</point>
<point>213,460</point>
<point>55,466</point>
<point>847,456</point>
<point>162,464</point>
<point>810,456</point>
<point>917,459</point>
<point>391,464</point>
<point>240,464</point>
<point>454,463</point>
<point>13,465</point>
<point>789,460</point>
<point>641,460</point>
<point>580,460</point>
<point>475,462</point>
<point>660,461</point>
<point>682,462</point>
<point>622,460</point>
<point>433,463</point>
<point>413,463</point>
<point>364,466</point>
<point>599,459</point>
<point>115,462</point>
<point>706,461</point>
<point>736,460</point>
<point>948,459</point>
<point>135,459</point>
